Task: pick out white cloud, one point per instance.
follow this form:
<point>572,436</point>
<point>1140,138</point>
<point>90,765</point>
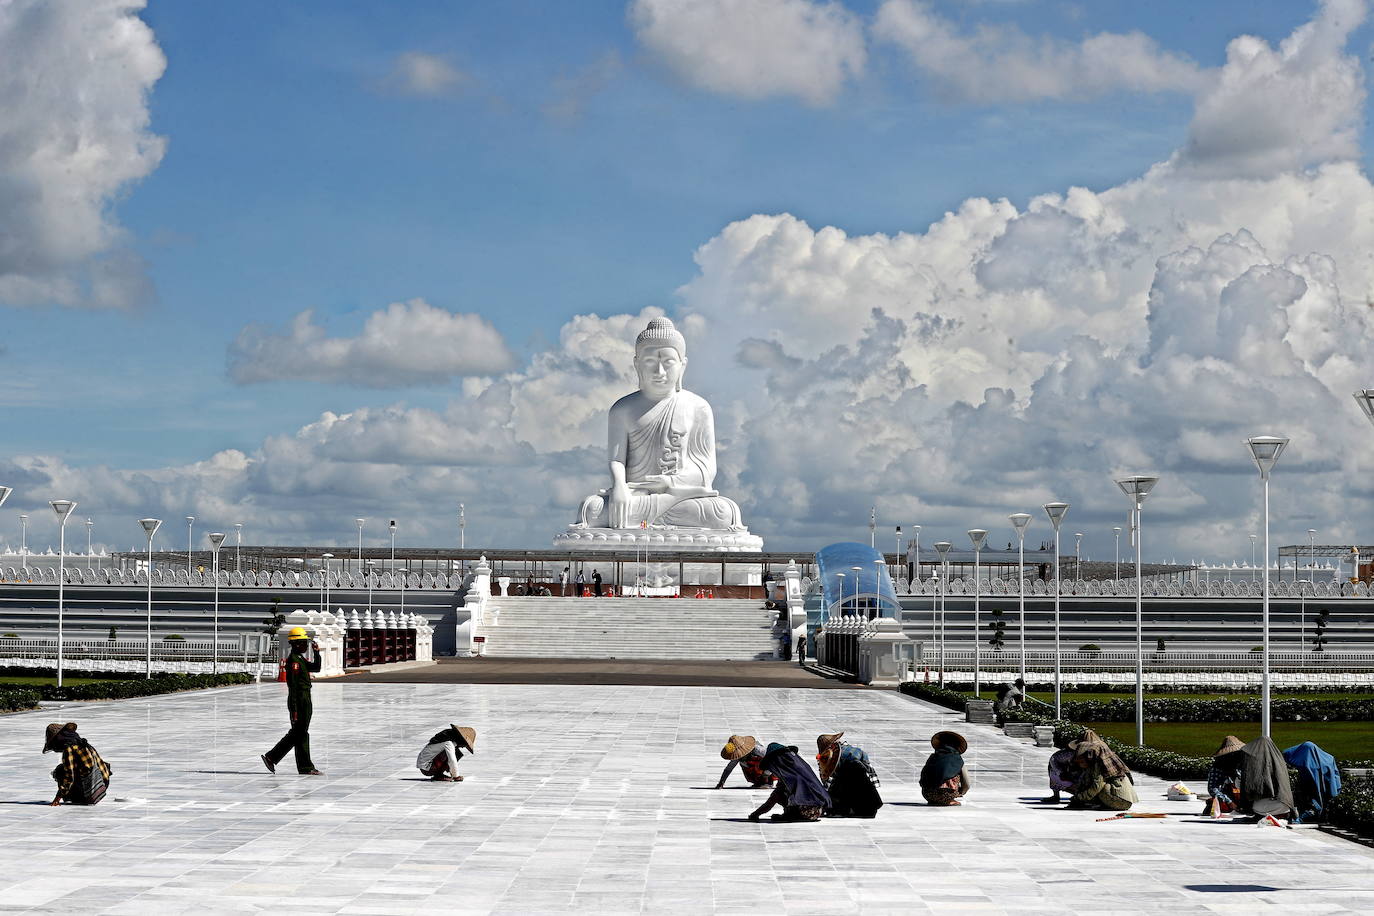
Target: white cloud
<point>428,75</point>
<point>755,49</point>
<point>1000,63</point>
<point>1280,109</point>
<point>75,134</point>
<point>407,343</point>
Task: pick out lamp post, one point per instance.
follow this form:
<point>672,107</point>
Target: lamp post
<point>393,565</point>
<point>24,543</point>
<point>367,571</point>
<point>873,526</point>
<point>216,538</point>
<point>1265,450</point>
<point>1056,512</point>
<point>1116,533</point>
<point>1311,572</point>
<point>977,536</point>
<point>150,526</point>
<point>1078,556</point>
<point>878,565</point>
<point>462,527</point>
<point>63,508</point>
<point>326,558</point>
<point>858,574</point>
<point>238,547</point>
<point>916,567</point>
<point>89,525</point>
<point>897,557</point>
<point>1019,521</point>
<point>1136,489</point>
<point>360,522</point>
<point>1252,558</point>
<point>942,548</point>
<point>190,520</point>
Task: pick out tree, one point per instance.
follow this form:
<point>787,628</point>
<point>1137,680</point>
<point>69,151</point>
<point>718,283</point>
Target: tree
<point>1159,644</point>
<point>1319,639</point>
<point>274,623</point>
<point>112,634</point>
<point>999,631</point>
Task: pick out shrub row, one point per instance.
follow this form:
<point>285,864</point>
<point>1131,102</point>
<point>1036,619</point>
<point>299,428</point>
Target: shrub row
<point>124,689</point>
<point>1178,710</point>
<point>12,698</point>
<point>940,696</point>
<point>1353,808</point>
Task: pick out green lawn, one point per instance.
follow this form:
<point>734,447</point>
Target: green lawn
<point>1344,740</point>
<point>35,680</point>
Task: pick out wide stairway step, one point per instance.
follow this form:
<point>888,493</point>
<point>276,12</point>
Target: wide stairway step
<point>635,628</point>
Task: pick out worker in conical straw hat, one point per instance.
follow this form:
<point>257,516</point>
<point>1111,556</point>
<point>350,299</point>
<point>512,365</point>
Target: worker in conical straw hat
<point>303,660</point>
<point>439,758</point>
<point>744,752</point>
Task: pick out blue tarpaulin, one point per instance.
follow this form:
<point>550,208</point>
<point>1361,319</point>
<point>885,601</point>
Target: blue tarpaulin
<point>1319,779</point>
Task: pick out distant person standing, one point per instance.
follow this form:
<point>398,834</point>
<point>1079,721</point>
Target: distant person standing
<point>298,670</point>
<point>596,583</point>
<point>563,583</point>
<point>581,583</point>
<point>801,648</point>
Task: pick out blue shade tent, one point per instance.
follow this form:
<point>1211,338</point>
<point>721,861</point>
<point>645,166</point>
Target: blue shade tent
<point>1319,779</point>
<point>845,590</point>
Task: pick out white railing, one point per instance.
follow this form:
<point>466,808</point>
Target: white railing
<point>249,654</point>
<point>178,577</point>
<point>1038,588</point>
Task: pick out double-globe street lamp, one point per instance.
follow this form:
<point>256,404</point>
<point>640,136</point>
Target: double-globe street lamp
<point>1019,521</point>
<point>942,548</point>
<point>150,526</point>
<point>1056,511</point>
<point>1265,450</point>
<point>1116,533</point>
<point>977,536</point>
<point>1136,489</point>
<point>63,508</point>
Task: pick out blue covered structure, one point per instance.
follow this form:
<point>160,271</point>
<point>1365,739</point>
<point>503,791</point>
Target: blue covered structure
<point>1319,779</point>
<point>853,580</point>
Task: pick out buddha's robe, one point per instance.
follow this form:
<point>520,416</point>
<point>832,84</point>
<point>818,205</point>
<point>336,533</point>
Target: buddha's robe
<point>675,441</point>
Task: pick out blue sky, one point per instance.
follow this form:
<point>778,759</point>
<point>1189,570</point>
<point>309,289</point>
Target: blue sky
<point>568,170</point>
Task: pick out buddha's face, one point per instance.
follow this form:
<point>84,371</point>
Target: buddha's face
<point>660,371</point>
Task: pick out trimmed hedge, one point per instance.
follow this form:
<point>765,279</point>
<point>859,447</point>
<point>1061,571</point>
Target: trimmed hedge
<point>1176,710</point>
<point>1353,808</point>
<point>124,689</point>
<point>12,698</point>
<point>940,696</point>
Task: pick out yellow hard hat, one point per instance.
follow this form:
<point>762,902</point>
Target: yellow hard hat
<point>297,633</point>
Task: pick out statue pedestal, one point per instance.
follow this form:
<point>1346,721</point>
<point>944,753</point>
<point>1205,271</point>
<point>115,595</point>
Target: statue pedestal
<point>579,538</point>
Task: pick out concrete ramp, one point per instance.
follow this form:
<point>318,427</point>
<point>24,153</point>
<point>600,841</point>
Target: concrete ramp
<point>647,628</point>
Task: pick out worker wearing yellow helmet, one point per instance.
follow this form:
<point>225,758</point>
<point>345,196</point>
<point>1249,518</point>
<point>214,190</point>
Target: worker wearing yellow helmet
<point>300,663</point>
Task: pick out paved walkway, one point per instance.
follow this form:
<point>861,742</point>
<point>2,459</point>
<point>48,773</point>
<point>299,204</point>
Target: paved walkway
<point>596,799</point>
<point>639,672</point>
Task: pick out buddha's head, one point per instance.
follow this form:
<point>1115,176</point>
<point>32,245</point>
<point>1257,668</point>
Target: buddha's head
<point>660,358</point>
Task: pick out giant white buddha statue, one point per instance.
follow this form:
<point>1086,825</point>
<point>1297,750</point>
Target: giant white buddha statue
<point>661,448</point>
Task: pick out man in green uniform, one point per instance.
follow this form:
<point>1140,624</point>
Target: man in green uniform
<point>298,670</point>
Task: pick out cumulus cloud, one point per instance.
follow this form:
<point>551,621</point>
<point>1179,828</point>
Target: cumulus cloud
<point>426,75</point>
<point>1000,63</point>
<point>75,135</point>
<point>1280,109</point>
<point>754,49</point>
<point>999,358</point>
<point>407,343</point>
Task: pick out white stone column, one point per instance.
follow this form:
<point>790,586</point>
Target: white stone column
<point>796,604</point>
<point>476,603</point>
<point>879,662</point>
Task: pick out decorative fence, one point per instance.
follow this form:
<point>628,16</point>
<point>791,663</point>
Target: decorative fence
<point>179,576</point>
<point>1038,588</point>
<point>250,653</point>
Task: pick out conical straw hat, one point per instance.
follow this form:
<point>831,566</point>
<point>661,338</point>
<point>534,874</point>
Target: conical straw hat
<point>738,746</point>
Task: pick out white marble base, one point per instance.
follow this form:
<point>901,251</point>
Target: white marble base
<point>582,538</point>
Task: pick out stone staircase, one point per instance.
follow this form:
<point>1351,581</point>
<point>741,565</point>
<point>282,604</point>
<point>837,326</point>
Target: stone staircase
<point>642,628</point>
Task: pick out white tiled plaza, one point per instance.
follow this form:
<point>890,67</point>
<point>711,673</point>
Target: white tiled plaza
<point>595,799</point>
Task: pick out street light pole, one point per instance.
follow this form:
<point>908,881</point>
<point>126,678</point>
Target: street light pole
<point>24,542</point>
<point>89,525</point>
<point>977,536</point>
<point>1311,581</point>
<point>897,557</point>
<point>150,526</point>
<point>462,527</point>
<point>873,527</point>
<point>917,569</point>
<point>1265,451</point>
<point>216,538</point>
<point>1056,512</point>
<point>1019,521</point>
<point>190,520</point>
<point>1252,558</point>
<point>1136,489</point>
<point>1116,533</point>
<point>367,571</point>
<point>63,508</point>
<point>326,557</point>
<point>942,548</point>
<point>238,547</point>
<point>360,541</point>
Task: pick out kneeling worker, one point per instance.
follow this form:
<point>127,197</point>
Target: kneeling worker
<point>298,670</point>
<point>439,758</point>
